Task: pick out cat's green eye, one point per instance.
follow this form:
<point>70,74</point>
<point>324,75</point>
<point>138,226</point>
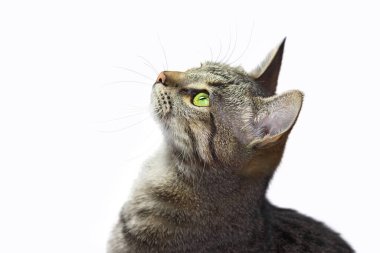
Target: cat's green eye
<point>201,99</point>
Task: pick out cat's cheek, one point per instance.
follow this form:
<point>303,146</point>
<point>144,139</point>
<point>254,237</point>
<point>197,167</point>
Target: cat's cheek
<point>161,102</point>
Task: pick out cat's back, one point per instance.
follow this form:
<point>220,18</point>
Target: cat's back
<point>294,232</point>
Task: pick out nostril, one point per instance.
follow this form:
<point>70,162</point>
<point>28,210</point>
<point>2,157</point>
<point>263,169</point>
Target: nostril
<point>161,78</point>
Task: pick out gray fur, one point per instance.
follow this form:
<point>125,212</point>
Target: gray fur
<point>204,191</point>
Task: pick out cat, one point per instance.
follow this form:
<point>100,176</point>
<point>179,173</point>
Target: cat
<point>224,131</point>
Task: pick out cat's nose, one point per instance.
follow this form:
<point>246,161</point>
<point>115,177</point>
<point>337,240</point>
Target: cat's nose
<point>171,78</point>
<point>161,78</point>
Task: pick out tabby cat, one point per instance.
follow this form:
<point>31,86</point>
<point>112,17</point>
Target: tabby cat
<point>204,191</point>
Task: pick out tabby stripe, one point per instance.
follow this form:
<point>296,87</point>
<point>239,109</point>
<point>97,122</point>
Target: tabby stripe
<point>220,84</point>
<point>212,137</point>
<point>190,133</point>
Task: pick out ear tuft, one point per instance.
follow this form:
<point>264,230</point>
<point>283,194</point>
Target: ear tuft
<point>266,74</point>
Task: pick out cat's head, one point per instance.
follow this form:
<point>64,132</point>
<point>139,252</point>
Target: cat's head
<point>221,115</point>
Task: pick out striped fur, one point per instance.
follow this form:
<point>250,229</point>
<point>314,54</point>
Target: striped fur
<point>204,191</point>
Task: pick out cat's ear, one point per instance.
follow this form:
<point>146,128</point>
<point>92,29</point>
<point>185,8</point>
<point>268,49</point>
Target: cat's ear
<point>266,74</point>
<point>276,117</point>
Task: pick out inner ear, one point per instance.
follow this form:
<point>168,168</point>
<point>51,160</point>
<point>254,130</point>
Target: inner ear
<point>276,116</point>
<point>266,74</point>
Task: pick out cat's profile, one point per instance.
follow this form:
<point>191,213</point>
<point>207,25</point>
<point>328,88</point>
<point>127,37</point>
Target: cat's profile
<point>204,191</point>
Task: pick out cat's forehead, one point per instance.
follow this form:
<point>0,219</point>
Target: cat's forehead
<point>213,73</point>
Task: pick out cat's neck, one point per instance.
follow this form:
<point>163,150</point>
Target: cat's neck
<point>238,183</point>
<point>219,183</point>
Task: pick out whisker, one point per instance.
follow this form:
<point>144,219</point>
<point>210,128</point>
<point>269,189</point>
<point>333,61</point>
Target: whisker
<point>164,52</point>
<point>149,64</point>
<point>220,50</point>
<point>127,82</point>
<point>124,128</point>
<point>248,44</point>
<point>137,108</point>
<point>146,148</point>
<point>228,49</point>
<point>141,145</point>
<point>125,117</point>
<point>135,72</point>
<point>234,47</point>
<point>212,55</point>
<point>132,110</point>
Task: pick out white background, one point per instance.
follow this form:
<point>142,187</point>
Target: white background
<point>68,158</point>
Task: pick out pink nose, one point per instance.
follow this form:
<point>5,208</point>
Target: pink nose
<point>161,78</point>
